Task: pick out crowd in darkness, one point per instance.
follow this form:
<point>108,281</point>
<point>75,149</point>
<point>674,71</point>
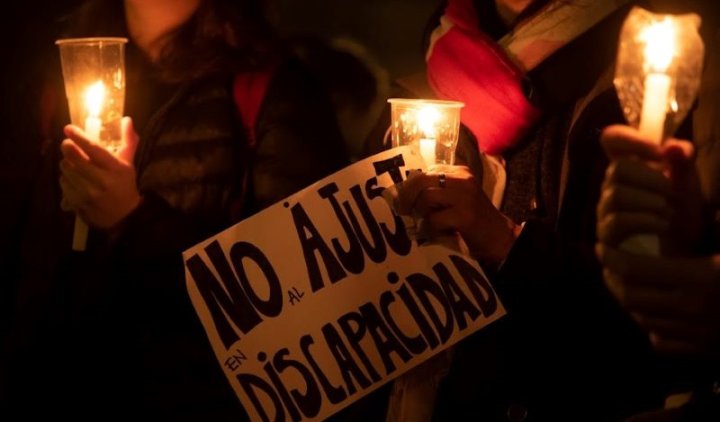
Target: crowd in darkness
<point>549,181</point>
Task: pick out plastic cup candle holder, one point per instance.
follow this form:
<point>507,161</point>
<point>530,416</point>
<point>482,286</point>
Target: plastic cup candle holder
<point>431,127</point>
<point>94,75</point>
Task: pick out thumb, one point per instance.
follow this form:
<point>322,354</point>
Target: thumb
<point>679,155</point>
<point>130,140</point>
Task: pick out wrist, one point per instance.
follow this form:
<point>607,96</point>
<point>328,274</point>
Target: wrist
<point>502,238</point>
<point>116,227</point>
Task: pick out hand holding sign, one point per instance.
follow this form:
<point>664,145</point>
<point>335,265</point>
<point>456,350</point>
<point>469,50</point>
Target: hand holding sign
<point>99,186</point>
<point>343,303</point>
<point>459,204</point>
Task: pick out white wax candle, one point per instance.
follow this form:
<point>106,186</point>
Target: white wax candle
<point>652,126</point>
<point>93,125</point>
<point>80,234</point>
<point>654,108</point>
<point>92,128</point>
<point>427,150</point>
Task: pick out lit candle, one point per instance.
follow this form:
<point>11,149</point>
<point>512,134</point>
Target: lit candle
<point>659,52</point>
<point>94,99</point>
<point>427,119</point>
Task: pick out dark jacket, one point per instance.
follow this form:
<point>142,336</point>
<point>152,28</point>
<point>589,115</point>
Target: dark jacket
<point>118,317</point>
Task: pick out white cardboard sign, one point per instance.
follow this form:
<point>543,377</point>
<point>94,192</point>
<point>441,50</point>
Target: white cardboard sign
<point>324,297</point>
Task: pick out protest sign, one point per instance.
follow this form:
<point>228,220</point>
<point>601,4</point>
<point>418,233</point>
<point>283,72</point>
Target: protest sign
<point>324,297</point>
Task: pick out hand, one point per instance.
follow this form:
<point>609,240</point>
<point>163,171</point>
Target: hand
<point>99,186</point>
<point>460,206</point>
<point>674,299</point>
<point>649,189</point>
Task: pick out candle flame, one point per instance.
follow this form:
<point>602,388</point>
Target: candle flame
<point>427,119</point>
<point>94,98</point>
<point>660,48</point>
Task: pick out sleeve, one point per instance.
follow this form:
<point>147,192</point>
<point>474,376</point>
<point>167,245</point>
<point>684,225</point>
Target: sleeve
<point>298,142</point>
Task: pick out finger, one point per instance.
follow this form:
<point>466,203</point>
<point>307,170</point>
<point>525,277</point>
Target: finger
<point>96,153</point>
<point>448,219</point>
<point>638,175</point>
<point>691,330</point>
<point>435,199</point>
<point>130,141</point>
<point>414,186</point>
<point>677,150</point>
<point>652,301</point>
<point>637,297</point>
<point>84,170</point>
<point>84,189</point>
<point>71,196</point>
<point>457,218</point>
<point>675,347</point>
<point>64,203</point>
<point>451,169</point>
<point>618,198</point>
<point>409,190</point>
<point>616,227</point>
<point>72,152</point>
<point>688,275</point>
<point>621,141</point>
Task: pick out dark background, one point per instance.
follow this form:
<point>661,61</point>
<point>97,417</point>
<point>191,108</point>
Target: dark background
<point>390,29</point>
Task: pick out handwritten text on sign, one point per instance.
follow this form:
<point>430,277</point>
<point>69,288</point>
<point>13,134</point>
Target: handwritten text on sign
<point>322,298</point>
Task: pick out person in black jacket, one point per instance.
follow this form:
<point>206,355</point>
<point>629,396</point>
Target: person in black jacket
<point>124,336</point>
<point>566,350</point>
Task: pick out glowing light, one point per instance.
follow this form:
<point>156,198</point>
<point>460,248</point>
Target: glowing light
<point>428,118</point>
<point>660,48</point>
<point>94,98</point>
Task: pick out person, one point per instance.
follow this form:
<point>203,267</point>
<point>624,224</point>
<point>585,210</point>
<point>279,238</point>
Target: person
<point>673,297</point>
<point>670,191</point>
<point>536,103</point>
<point>117,320</point>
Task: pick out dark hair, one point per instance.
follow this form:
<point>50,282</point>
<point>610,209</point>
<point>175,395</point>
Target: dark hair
<point>221,36</point>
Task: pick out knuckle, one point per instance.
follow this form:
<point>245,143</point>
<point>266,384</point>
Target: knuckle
<point>92,195</point>
<point>611,224</point>
<point>611,171</point>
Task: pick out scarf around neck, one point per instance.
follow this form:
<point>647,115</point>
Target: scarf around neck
<point>464,64</point>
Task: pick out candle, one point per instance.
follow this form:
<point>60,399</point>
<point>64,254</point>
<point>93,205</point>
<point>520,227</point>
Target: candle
<point>94,99</point>
<point>427,119</point>
<point>427,150</point>
<point>659,52</point>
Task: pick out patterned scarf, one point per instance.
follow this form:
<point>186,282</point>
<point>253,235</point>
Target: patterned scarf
<point>464,64</point>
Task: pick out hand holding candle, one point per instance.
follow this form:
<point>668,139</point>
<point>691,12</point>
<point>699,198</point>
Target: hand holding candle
<point>432,128</point>
<point>94,74</point>
<point>657,79</point>
<point>94,99</point>
<point>97,184</point>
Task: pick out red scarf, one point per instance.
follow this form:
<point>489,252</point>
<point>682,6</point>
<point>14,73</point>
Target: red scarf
<point>464,64</point>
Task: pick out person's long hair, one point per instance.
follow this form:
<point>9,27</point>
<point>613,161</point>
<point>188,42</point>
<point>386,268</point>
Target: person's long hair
<point>221,36</point>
